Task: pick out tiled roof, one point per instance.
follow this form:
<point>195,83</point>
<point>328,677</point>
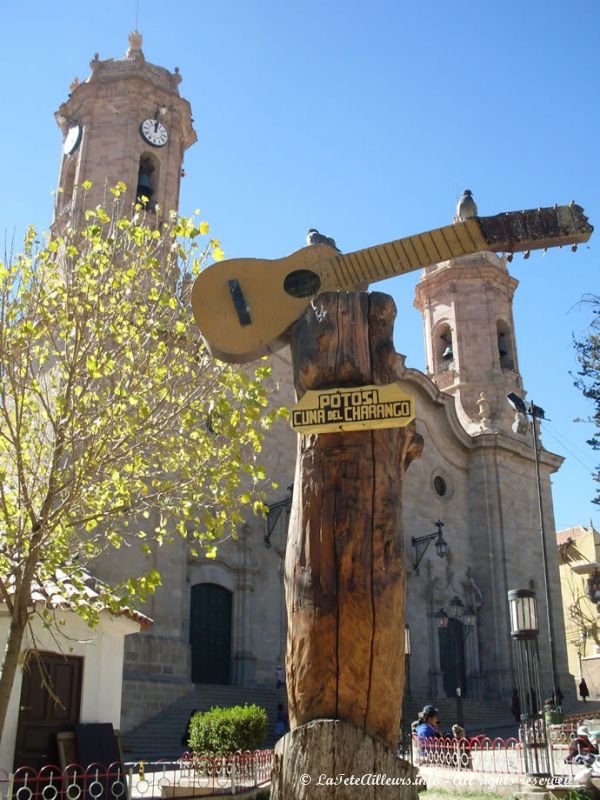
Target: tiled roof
<point>562,537</point>
<point>56,591</point>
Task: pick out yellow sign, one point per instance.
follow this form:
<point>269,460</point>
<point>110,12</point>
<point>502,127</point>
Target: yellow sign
<point>333,410</point>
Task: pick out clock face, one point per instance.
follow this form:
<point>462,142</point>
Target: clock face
<point>72,139</point>
<point>154,132</point>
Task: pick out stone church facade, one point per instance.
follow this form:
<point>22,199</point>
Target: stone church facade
<point>223,620</point>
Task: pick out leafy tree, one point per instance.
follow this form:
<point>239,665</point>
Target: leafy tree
<point>116,426</point>
<point>588,354</point>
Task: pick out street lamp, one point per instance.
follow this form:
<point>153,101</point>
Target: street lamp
<point>274,512</point>
<point>421,543</point>
<point>456,606</point>
<point>442,618</point>
<point>524,629</point>
<point>521,424</point>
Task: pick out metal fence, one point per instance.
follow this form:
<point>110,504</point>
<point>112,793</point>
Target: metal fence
<point>498,756</point>
<point>204,776</point>
<point>190,776</point>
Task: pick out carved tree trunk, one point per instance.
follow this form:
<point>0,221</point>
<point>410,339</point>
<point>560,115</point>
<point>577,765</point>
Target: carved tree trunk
<point>344,571</point>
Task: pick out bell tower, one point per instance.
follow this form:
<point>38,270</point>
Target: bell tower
<point>470,341</point>
<point>126,122</point>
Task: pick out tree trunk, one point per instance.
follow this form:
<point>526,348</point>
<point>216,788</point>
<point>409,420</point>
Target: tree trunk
<point>344,571</point>
<point>332,760</point>
<point>12,653</point>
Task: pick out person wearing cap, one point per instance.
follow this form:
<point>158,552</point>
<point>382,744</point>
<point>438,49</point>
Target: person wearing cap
<point>581,747</point>
<point>428,723</point>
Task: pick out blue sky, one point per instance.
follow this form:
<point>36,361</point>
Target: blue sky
<point>366,121</point>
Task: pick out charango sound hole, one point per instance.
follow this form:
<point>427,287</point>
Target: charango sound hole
<point>302,283</point>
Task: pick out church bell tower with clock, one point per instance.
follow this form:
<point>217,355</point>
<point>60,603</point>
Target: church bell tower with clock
<point>126,122</point>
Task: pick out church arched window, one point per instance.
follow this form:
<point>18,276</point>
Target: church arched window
<point>505,345</point>
<point>147,181</point>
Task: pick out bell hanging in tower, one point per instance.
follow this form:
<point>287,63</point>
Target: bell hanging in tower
<point>144,184</point>
<point>448,353</point>
<point>502,349</point>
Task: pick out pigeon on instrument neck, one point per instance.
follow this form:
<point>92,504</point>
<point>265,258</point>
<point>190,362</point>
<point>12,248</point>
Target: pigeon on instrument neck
<point>466,207</point>
<point>314,237</point>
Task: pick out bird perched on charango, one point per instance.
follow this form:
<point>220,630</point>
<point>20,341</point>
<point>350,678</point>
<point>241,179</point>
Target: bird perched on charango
<point>466,207</point>
<point>314,237</point>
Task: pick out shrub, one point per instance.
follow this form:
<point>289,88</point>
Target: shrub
<point>225,730</point>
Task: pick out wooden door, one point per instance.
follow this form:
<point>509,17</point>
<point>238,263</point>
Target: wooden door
<point>50,703</point>
<point>452,658</point>
<point>210,633</point>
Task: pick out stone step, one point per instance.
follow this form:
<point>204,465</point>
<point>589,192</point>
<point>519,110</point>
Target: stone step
<point>160,737</point>
<point>489,716</point>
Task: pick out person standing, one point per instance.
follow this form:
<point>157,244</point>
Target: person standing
<point>583,690</point>
<point>279,677</point>
<point>282,722</point>
<point>516,705</point>
<point>185,739</point>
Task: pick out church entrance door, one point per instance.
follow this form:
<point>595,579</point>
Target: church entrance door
<point>210,633</point>
<point>452,658</point>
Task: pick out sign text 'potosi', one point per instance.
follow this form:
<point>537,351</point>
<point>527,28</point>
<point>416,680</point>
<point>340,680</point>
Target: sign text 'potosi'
<point>353,409</point>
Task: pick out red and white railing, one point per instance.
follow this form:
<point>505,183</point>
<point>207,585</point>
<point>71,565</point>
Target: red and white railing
<point>498,756</point>
<point>190,776</point>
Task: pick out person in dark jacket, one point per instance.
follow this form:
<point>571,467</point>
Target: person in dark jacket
<point>516,705</point>
<point>282,724</point>
<point>427,725</point>
<point>185,739</point>
<point>583,690</point>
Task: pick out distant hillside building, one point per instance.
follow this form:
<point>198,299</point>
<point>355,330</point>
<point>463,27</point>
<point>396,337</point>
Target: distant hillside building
<point>579,566</point>
<point>223,620</point>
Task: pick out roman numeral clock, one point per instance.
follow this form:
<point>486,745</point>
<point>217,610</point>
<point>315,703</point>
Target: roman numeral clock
<point>154,132</point>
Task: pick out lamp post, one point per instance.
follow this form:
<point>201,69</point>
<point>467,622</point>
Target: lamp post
<point>405,743</point>
<point>467,616</point>
<point>408,691</point>
<point>274,512</point>
<point>421,543</point>
<point>524,629</point>
<point>520,425</point>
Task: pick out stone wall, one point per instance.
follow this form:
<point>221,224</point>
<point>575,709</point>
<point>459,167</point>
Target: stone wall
<point>143,699</point>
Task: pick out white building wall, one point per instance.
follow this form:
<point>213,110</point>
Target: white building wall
<point>102,651</point>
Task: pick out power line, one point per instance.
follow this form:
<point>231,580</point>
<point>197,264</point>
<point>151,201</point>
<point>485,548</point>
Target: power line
<point>589,466</point>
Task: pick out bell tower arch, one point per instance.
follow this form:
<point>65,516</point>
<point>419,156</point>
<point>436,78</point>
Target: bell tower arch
<point>470,341</point>
<point>126,122</point>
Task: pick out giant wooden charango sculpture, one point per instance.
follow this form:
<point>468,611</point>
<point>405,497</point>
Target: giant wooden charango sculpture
<point>344,567</point>
<point>244,306</point>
